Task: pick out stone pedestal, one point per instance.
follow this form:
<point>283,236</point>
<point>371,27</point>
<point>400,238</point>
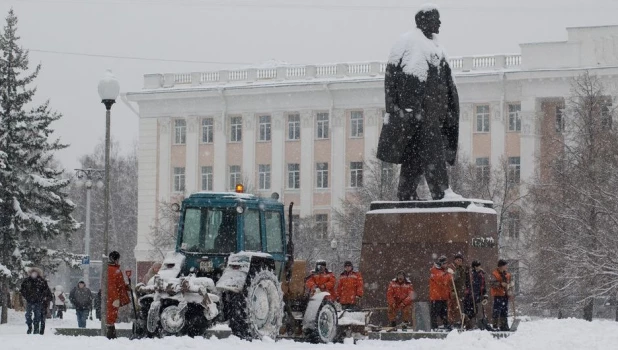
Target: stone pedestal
<point>409,236</point>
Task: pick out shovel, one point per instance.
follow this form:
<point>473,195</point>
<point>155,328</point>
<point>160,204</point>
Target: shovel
<point>129,273</point>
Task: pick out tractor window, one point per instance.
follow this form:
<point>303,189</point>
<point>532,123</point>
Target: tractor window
<point>209,230</point>
<point>274,244</point>
<point>191,233</point>
<point>222,223</point>
<point>253,239</point>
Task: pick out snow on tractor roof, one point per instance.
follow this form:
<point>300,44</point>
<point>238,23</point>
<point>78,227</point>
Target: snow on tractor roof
<point>225,195</point>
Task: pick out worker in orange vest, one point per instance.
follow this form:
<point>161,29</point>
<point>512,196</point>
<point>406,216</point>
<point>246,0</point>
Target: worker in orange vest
<point>349,287</point>
<point>117,292</point>
<point>323,280</point>
<point>440,285</point>
<point>399,296</point>
<point>501,284</point>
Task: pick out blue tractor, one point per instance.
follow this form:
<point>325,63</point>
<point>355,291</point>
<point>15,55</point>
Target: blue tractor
<point>232,258</point>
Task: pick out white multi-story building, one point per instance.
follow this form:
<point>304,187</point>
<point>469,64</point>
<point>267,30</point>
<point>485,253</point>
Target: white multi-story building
<point>304,131</point>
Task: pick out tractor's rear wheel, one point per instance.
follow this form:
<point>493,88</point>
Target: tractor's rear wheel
<point>258,311</point>
<point>325,330</point>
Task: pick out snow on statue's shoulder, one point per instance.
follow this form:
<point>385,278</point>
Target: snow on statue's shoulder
<point>414,50</point>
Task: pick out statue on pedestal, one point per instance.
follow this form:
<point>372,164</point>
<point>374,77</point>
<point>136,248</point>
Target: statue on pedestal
<point>421,124</point>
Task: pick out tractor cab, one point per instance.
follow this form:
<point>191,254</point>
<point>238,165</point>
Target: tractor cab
<point>214,225</point>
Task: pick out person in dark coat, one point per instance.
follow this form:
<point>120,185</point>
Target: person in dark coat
<point>479,290</point>
<point>38,296</point>
<point>421,124</point>
<point>81,297</point>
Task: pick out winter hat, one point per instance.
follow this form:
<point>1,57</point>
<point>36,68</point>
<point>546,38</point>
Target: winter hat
<point>502,262</point>
<point>402,274</point>
<point>458,256</point>
<point>113,256</point>
<point>348,263</point>
<point>476,263</point>
<point>441,260</point>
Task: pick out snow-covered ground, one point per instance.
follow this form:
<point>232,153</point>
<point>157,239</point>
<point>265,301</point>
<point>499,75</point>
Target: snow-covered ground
<point>549,334</point>
<point>17,324</point>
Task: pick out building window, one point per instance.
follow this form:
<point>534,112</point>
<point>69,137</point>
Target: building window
<point>235,176</point>
<point>482,118</point>
<point>206,178</point>
<point>264,127</point>
<point>515,117</point>
<point>322,126</point>
<point>560,122</point>
<point>321,226</point>
<point>236,129</point>
<point>482,170</point>
<point>512,225</point>
<point>514,169</point>
<point>356,174</point>
<point>294,127</point>
<point>321,175</point>
<point>207,130</point>
<point>264,176</point>
<point>294,176</point>
<point>606,116</point>
<point>357,124</point>
<point>180,131</point>
<point>179,179</point>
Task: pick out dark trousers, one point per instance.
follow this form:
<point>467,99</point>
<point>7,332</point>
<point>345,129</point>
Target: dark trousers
<point>39,311</point>
<point>82,315</point>
<point>410,176</point>
<point>501,307</point>
<point>438,310</point>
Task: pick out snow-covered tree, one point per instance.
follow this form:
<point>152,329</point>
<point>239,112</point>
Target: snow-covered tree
<point>378,183</point>
<point>123,204</point>
<point>164,230</point>
<point>34,206</point>
<point>576,204</point>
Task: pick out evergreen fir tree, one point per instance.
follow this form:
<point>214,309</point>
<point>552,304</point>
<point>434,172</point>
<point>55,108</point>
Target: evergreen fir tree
<point>34,206</point>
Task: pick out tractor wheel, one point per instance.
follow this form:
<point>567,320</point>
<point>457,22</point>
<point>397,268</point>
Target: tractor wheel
<point>258,312</point>
<point>325,330</point>
<point>172,320</point>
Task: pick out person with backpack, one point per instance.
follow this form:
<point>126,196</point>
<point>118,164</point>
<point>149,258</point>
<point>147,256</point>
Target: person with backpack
<point>81,297</point>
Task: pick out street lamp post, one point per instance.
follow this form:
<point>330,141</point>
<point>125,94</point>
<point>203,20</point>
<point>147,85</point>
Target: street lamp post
<point>108,91</point>
<point>86,177</point>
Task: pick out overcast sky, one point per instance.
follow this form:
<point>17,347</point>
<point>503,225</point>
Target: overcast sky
<point>230,33</point>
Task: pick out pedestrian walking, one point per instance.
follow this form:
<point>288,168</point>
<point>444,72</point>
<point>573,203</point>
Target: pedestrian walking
<point>399,296</point>
<point>59,302</point>
<point>117,293</point>
<point>81,297</point>
<point>37,294</point>
<point>349,287</point>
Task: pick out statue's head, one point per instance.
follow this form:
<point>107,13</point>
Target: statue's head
<point>428,20</point>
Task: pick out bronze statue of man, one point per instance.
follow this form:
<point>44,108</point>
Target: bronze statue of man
<point>421,124</point>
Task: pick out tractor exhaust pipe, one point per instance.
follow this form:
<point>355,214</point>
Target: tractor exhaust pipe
<point>290,245</point>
